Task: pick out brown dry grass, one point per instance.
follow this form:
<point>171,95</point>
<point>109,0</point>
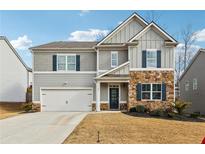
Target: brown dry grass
<point>121,128</point>
<point>10,109</point>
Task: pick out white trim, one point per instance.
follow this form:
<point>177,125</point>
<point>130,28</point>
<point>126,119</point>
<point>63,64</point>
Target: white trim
<point>114,81</point>
<point>151,69</point>
<point>147,28</point>
<point>59,88</point>
<point>122,25</point>
<point>103,70</point>
<point>119,87</point>
<point>124,64</point>
<point>33,77</point>
<point>97,60</point>
<point>98,96</point>
<point>151,92</point>
<point>66,65</point>
<point>64,72</point>
<point>151,50</point>
<point>114,52</point>
<point>69,88</point>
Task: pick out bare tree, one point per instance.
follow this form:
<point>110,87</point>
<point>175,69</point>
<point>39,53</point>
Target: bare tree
<point>188,37</point>
<point>152,16</point>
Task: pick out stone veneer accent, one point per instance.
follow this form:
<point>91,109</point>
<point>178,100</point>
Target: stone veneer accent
<point>151,77</point>
<point>36,107</point>
<point>103,106</point>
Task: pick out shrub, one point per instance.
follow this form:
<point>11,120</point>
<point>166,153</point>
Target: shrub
<point>180,106</point>
<point>195,115</point>
<point>140,108</point>
<point>133,109</point>
<point>27,106</point>
<point>157,112</point>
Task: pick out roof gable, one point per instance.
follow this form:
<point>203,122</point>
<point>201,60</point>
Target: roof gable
<point>157,29</point>
<point>15,52</point>
<point>123,24</point>
<point>192,61</point>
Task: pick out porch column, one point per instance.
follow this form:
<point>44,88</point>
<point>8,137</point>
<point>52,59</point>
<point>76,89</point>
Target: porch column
<point>97,96</point>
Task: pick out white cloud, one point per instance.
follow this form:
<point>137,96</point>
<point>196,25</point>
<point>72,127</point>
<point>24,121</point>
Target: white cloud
<point>22,42</point>
<point>200,35</point>
<point>83,12</point>
<point>89,35</point>
<point>119,22</point>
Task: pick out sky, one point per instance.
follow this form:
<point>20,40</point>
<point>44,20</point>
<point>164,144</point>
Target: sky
<point>25,29</point>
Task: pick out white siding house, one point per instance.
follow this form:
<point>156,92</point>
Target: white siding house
<point>14,74</point>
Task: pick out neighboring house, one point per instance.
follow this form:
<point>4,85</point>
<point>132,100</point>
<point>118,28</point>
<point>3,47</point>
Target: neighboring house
<point>192,83</point>
<point>133,64</point>
<point>14,74</point>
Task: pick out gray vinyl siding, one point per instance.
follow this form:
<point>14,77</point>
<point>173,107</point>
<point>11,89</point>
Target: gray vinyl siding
<point>43,60</point>
<point>151,40</point>
<point>126,33</point>
<point>196,97</point>
<point>105,59</point>
<point>58,80</point>
<point>104,92</point>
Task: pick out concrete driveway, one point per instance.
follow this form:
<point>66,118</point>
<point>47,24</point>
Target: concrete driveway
<point>39,128</point>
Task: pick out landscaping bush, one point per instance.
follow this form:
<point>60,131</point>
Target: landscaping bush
<point>157,112</point>
<point>180,106</point>
<point>27,107</point>
<point>140,108</point>
<point>133,109</point>
<point>195,115</point>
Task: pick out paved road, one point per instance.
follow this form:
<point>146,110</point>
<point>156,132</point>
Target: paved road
<point>39,128</point>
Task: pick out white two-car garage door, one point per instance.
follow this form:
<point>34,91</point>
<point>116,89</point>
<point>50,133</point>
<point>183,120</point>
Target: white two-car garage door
<point>64,99</point>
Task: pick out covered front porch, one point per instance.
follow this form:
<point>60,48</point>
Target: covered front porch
<point>112,89</point>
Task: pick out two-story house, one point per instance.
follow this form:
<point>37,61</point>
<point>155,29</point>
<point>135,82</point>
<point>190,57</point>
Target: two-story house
<point>133,64</point>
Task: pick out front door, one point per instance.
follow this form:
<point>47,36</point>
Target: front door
<point>114,98</point>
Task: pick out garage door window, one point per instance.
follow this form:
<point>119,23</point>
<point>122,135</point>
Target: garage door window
<point>66,63</point>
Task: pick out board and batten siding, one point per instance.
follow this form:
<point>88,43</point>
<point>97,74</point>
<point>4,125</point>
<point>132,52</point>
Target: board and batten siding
<point>127,32</point>
<point>105,58</point>
<point>43,60</point>
<point>61,80</point>
<point>151,40</point>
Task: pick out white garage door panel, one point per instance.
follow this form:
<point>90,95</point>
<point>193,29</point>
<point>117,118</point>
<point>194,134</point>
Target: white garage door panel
<point>66,99</point>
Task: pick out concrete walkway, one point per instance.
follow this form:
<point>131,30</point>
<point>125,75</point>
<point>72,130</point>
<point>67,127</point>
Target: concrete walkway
<point>39,128</point>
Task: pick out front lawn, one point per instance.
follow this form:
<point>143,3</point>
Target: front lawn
<point>10,109</point>
<point>122,128</point>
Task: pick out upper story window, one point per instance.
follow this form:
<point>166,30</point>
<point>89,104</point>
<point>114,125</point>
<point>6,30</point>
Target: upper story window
<point>66,62</point>
<point>187,86</point>
<point>151,58</point>
<point>195,84</point>
<point>114,59</point>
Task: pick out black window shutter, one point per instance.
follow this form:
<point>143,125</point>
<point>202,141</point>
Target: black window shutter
<point>158,59</point>
<point>77,62</point>
<point>139,91</point>
<point>144,59</point>
<point>163,91</point>
<point>54,63</point>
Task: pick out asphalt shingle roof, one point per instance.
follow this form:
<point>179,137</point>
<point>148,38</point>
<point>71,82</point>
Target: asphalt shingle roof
<point>65,44</point>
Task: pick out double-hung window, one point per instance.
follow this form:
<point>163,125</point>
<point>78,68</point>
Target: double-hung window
<point>187,86</point>
<point>151,91</point>
<point>194,84</point>
<point>151,58</point>
<point>66,62</point>
<point>114,59</point>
